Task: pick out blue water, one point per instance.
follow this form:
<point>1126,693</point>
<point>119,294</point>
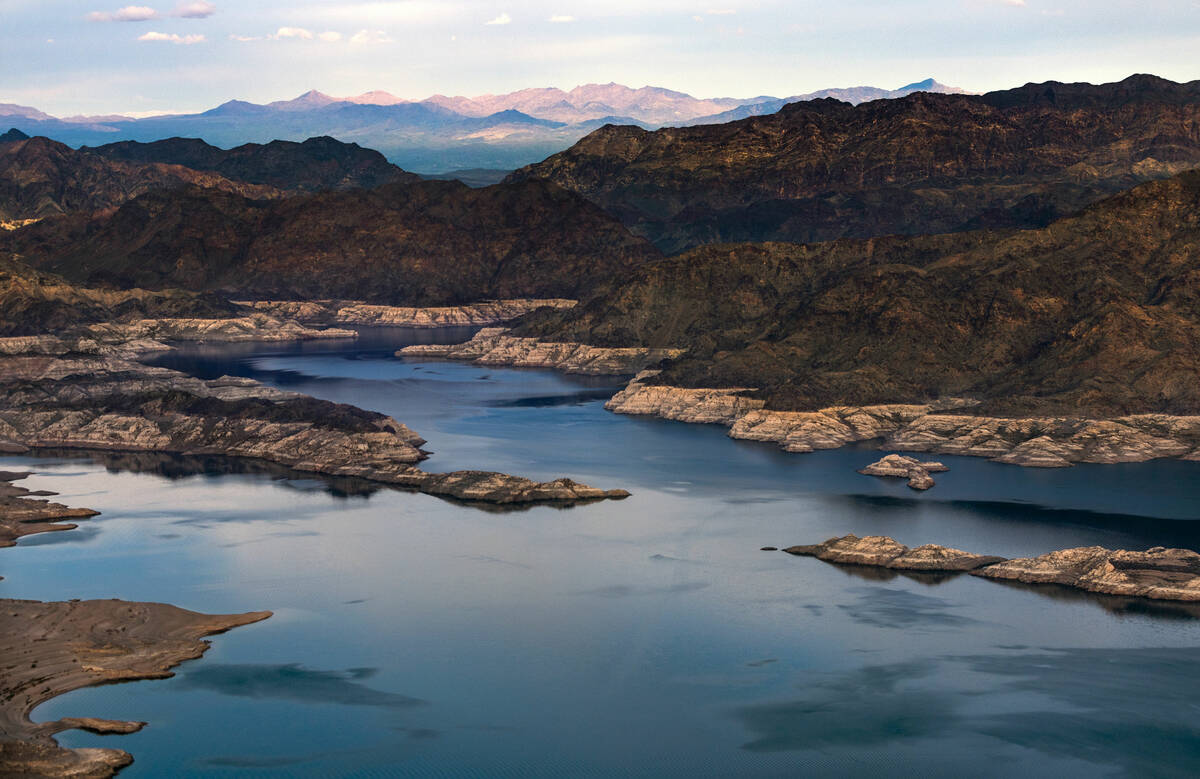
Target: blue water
<point>414,636</point>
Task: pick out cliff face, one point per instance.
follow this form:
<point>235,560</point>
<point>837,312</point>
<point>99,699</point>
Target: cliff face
<point>1095,315</point>
<point>40,177</point>
<point>314,165</point>
<point>926,163</point>
<point>429,243</point>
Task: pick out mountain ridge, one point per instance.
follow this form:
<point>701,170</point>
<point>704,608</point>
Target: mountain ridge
<point>433,135</point>
<point>923,163</point>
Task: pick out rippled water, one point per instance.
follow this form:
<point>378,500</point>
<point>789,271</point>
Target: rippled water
<point>417,637</point>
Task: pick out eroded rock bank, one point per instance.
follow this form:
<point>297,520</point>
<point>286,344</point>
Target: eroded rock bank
<point>111,403</point>
<point>1157,573</point>
<point>493,346</point>
<point>24,512</point>
<point>945,427</point>
<point>52,648</point>
<point>357,312</point>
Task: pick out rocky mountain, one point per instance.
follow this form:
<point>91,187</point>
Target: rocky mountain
<point>32,302</point>
<point>424,243</point>
<point>314,165</point>
<point>40,177</point>
<point>434,135</point>
<point>924,163</point>
<point>1095,315</point>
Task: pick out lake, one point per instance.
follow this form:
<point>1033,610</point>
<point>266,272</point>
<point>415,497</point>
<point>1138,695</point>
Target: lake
<point>415,636</point>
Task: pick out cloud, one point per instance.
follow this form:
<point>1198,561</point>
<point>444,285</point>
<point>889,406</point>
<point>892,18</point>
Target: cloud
<point>292,32</point>
<point>501,19</point>
<point>130,13</point>
<point>371,36</point>
<point>162,37</point>
<point>731,11</point>
<point>197,9</point>
<point>245,38</point>
<point>1015,3</point>
<point>561,19</point>
<point>330,37</point>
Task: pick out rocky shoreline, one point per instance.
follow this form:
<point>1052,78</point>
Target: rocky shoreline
<point>942,427</point>
<point>1157,573</point>
<point>25,512</point>
<point>110,403</point>
<point>945,427</point>
<point>53,648</point>
<point>493,346</point>
<point>357,312</point>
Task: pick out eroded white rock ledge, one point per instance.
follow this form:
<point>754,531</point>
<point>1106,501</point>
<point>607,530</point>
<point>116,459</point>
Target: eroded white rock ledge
<point>1043,442</point>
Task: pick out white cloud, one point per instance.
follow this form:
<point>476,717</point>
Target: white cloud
<point>196,9</point>
<point>292,32</point>
<point>698,18</point>
<point>330,37</point>
<point>561,19</point>
<point>1015,3</point>
<point>162,37</point>
<point>245,38</point>
<point>371,36</point>
<point>130,13</point>
<point>501,19</point>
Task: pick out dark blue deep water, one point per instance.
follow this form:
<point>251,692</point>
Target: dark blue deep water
<point>648,637</point>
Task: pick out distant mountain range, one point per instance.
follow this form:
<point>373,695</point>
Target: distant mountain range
<point>437,134</point>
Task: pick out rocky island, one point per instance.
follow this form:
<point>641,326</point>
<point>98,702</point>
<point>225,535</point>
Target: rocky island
<point>1157,573</point>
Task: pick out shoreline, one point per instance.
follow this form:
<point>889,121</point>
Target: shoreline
<point>941,427</point>
<point>66,646</point>
<point>485,313</point>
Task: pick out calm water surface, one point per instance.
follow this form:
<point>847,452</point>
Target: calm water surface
<point>648,637</point>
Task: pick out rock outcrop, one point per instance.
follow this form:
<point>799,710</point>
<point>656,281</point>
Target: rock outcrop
<point>493,346</point>
<point>356,312</point>
<point>53,648</point>
<point>24,512</point>
<point>945,427</point>
<point>885,552</point>
<point>901,467</point>
<point>1157,573</point>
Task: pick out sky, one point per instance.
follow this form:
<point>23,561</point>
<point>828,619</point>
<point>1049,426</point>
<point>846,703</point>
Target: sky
<point>70,57</point>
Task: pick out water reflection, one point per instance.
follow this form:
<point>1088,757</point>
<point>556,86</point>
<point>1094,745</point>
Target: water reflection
<point>294,683</point>
<point>646,637</point>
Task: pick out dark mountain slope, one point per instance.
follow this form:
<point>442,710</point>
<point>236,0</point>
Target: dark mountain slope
<point>32,302</point>
<point>40,177</point>
<point>424,243</point>
<point>1095,314</point>
<point>314,165</point>
<point>924,163</point>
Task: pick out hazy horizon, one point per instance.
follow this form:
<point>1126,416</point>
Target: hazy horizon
<point>68,58</point>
